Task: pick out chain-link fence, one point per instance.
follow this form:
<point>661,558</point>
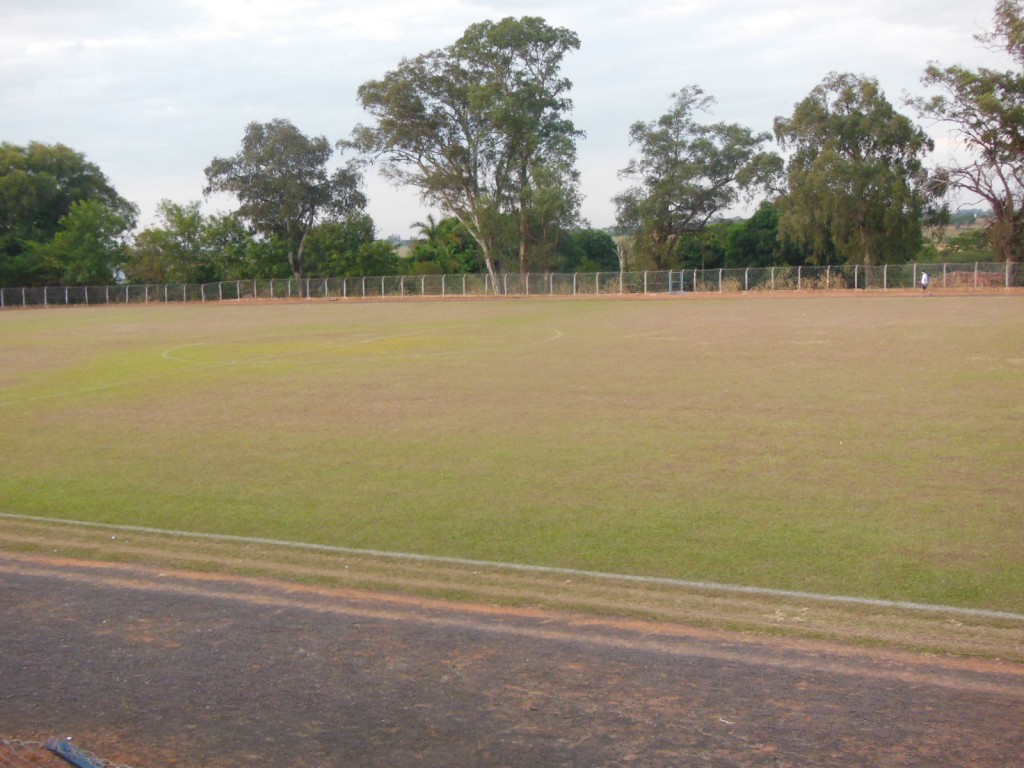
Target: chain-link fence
<point>972,276</point>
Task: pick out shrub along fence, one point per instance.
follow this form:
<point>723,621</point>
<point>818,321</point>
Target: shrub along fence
<point>973,276</point>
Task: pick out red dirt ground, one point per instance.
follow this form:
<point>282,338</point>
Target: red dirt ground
<point>151,667</point>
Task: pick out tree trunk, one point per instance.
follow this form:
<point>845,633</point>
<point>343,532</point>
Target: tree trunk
<point>524,221</point>
<point>297,262</point>
<point>491,270</point>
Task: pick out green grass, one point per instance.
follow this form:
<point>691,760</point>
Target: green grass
<point>869,446</point>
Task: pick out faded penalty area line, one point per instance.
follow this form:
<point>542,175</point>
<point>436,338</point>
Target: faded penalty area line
<point>738,589</point>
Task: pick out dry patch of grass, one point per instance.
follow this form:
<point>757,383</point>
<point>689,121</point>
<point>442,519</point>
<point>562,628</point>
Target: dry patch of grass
<point>867,447</point>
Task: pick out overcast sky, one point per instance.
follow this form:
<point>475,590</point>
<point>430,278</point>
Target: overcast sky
<point>152,90</point>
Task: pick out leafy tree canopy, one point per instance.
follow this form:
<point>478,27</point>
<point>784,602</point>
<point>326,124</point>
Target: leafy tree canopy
<point>338,248</point>
<point>856,183</point>
<point>284,187</point>
<point>986,108</point>
<point>688,172</point>
<point>752,242</point>
<point>88,247</point>
<point>481,128</point>
<point>445,247</point>
<point>179,251</point>
<point>39,186</point>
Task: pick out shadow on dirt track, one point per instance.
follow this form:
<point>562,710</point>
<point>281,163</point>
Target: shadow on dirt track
<point>152,667</point>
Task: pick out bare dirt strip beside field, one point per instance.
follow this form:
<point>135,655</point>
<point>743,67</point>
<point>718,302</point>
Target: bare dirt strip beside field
<point>149,665</point>
<point>883,626</point>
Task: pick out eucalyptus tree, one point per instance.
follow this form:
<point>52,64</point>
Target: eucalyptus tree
<point>481,129</point>
<point>857,188</point>
<point>687,173</point>
<point>284,186</point>
<point>986,109</point>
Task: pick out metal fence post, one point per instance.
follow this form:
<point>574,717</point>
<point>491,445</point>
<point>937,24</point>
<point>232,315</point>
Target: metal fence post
<point>526,284</point>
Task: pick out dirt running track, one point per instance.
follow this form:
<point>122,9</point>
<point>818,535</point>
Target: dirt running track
<point>156,668</point>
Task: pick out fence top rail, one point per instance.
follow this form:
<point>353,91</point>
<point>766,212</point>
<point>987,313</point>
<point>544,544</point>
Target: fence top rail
<point>719,279</point>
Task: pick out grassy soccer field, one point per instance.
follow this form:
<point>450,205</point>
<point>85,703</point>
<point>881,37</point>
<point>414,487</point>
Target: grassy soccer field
<point>866,446</point>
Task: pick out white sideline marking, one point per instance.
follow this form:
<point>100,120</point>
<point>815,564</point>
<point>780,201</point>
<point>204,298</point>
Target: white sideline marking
<point>682,583</point>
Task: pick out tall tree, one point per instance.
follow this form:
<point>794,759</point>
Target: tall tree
<point>39,185</point>
<point>986,109</point>
<point>856,182</point>
<point>687,173</point>
<point>480,128</point>
<point>515,68</point>
<point>284,188</point>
